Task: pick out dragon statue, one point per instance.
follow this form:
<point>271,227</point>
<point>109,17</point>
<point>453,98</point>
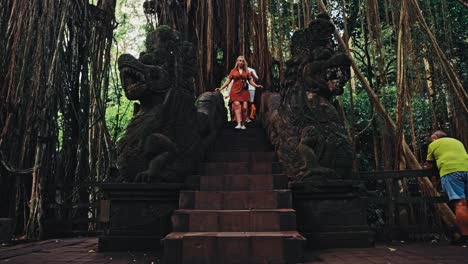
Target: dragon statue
<point>303,124</point>
<point>168,135</point>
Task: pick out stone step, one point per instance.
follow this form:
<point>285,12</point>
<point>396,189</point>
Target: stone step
<point>273,220</point>
<point>242,157</point>
<point>233,248</point>
<point>243,182</point>
<point>235,200</point>
<point>241,136</point>
<point>242,147</point>
<point>237,138</point>
<point>229,168</point>
<point>243,133</point>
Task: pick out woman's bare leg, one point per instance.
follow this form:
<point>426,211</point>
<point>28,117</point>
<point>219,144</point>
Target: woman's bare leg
<point>238,112</point>
<point>245,106</point>
<point>461,215</point>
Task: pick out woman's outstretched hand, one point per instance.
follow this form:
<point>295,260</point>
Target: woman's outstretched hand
<point>217,89</point>
<point>260,86</point>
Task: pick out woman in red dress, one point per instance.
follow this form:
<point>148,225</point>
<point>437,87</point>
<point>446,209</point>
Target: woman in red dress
<point>239,96</point>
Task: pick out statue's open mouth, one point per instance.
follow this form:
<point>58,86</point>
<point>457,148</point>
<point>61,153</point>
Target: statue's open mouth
<point>336,77</point>
<point>131,79</point>
<point>335,74</point>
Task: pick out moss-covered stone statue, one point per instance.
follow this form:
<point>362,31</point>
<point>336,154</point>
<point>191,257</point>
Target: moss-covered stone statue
<point>308,133</point>
<point>167,136</point>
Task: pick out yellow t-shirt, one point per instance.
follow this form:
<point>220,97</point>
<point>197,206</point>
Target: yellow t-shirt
<point>450,155</point>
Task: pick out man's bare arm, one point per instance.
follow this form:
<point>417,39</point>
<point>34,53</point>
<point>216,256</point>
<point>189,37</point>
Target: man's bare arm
<point>429,164</point>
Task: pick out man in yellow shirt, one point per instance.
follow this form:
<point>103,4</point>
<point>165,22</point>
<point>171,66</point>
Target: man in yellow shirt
<point>452,161</point>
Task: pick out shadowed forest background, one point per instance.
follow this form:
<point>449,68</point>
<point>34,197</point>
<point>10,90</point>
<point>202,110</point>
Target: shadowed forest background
<point>62,108</point>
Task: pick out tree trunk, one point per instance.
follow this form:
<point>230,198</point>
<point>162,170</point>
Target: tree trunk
<point>426,185</point>
<point>46,54</point>
<point>280,46</point>
<point>452,76</point>
<point>430,91</point>
<point>293,18</point>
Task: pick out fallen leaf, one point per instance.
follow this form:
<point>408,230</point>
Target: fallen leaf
<point>392,249</point>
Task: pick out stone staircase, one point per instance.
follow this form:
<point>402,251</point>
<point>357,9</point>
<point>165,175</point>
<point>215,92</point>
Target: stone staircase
<point>242,212</point>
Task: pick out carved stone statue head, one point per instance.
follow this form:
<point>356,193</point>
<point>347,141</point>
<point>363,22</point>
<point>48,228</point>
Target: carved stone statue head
<point>168,61</point>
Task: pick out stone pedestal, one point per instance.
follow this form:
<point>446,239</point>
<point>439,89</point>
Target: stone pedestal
<point>6,229</point>
<point>332,214</point>
<point>136,216</point>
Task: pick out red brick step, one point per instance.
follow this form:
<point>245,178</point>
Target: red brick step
<point>243,134</point>
<point>242,157</point>
<point>233,247</point>
<point>242,147</point>
<point>242,213</point>
<point>241,182</point>
<point>226,168</point>
<point>235,200</point>
<point>274,220</point>
<point>236,140</point>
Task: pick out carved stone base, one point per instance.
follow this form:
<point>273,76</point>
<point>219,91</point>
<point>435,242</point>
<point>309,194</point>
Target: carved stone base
<point>6,229</point>
<point>136,216</point>
<point>332,214</point>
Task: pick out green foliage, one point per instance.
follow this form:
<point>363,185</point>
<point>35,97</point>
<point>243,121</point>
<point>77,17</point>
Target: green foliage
<point>364,114</point>
<point>129,37</point>
<point>118,115</point>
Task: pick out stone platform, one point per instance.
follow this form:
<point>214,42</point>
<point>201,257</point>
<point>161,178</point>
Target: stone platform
<point>332,214</point>
<point>136,216</point>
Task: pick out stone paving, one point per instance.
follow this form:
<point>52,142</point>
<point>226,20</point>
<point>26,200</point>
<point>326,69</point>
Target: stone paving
<point>83,250</point>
